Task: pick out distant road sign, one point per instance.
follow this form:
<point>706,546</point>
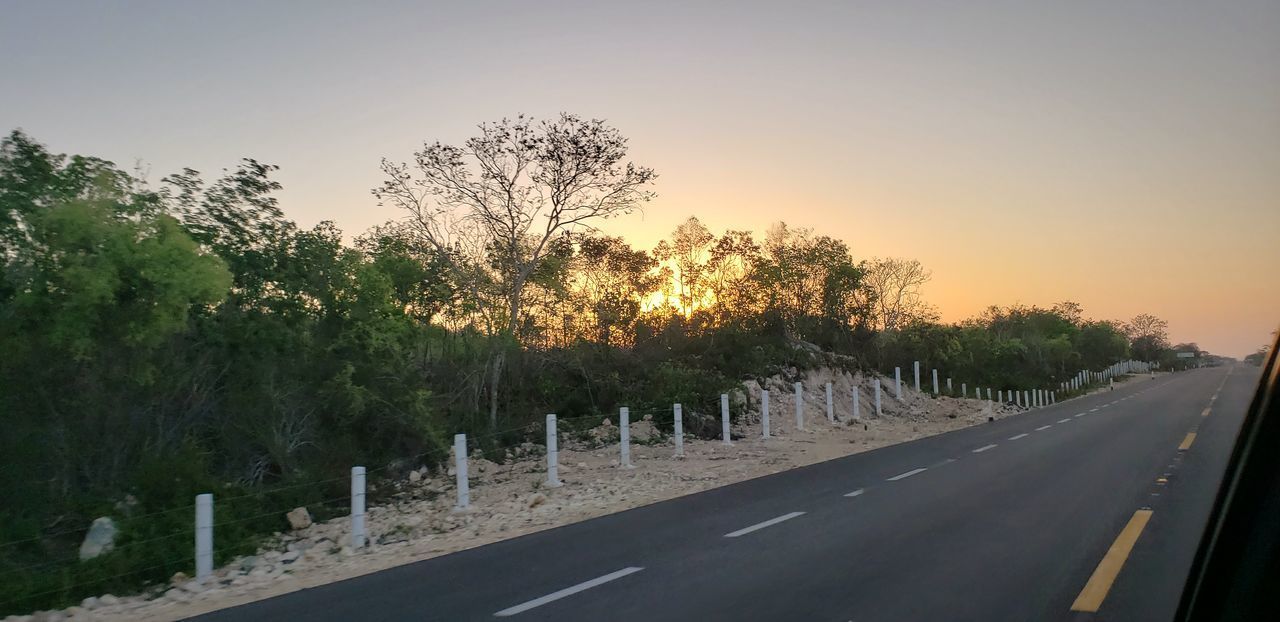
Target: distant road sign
<point>1186,355</point>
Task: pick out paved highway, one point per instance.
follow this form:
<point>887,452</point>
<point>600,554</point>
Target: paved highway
<point>1087,510</point>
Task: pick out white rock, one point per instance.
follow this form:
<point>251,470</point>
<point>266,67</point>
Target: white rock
<point>108,600</point>
<point>90,603</point>
<point>299,518</point>
<point>414,476</point>
<point>290,557</point>
<point>100,539</point>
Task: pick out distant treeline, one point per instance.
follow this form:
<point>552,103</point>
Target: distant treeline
<point>162,340</point>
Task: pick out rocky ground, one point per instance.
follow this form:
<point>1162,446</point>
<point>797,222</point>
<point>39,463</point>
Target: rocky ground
<point>511,499</point>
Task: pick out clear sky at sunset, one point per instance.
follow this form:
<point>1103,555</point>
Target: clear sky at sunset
<point>1124,155</point>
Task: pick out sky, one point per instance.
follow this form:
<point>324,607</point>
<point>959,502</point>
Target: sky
<point>1122,155</point>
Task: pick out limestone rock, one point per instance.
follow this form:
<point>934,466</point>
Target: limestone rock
<point>299,518</point>
<point>100,539</point>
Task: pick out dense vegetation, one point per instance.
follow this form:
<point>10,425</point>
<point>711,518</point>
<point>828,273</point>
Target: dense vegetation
<point>163,340</point>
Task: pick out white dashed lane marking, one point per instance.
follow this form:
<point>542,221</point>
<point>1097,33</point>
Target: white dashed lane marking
<point>1067,420</point>
<point>568,591</point>
<point>906,475</point>
<point>758,526</point>
<point>854,493</point>
<point>982,449</point>
<point>1044,427</point>
<point>1014,438</point>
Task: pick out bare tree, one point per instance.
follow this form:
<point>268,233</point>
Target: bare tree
<point>895,284</point>
<point>494,204</point>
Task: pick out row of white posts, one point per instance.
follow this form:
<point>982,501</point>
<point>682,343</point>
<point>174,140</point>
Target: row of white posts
<point>1085,378</point>
<point>204,514</point>
<point>1026,398</point>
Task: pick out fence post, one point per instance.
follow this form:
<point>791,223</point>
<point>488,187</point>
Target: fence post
<point>764,413</point>
<point>204,536</point>
<point>460,469</point>
<point>917,373</point>
<point>724,418</point>
<point>949,389</point>
<point>1053,397</point>
<point>935,382</point>
<point>1000,395</point>
<point>553,454</point>
<point>877,397</point>
<point>897,383</point>
<point>831,412</point>
<point>988,394</point>
<point>624,436</point>
<point>964,390</point>
<point>857,409</point>
<point>357,507</point>
<point>679,429</point>
<point>799,406</point>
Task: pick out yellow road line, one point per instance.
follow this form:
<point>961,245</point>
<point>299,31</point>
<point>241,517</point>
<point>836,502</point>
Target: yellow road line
<point>1186,442</point>
<point>1108,569</point>
<point>1205,412</point>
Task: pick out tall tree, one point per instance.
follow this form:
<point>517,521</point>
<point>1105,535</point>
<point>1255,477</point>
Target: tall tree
<point>687,252</point>
<point>500,198</point>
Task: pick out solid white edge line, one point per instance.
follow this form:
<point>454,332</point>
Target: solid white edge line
<point>854,493</point>
<point>758,526</point>
<point>1044,427</point>
<point>568,591</point>
<point>984,448</point>
<point>906,475</point>
<point>1023,435</point>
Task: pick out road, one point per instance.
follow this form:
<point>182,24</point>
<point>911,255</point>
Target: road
<point>1003,521</point>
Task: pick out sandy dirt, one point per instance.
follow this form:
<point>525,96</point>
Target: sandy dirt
<point>511,499</point>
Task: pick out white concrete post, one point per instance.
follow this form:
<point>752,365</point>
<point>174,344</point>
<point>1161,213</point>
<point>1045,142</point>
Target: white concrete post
<point>964,390</point>
<point>624,437</point>
<point>357,507</point>
<point>935,382</point>
<point>1026,398</point>
<point>897,383</point>
<point>1000,395</point>
<point>764,414</point>
<point>724,418</point>
<point>831,411</point>
<point>877,397</point>
<point>460,470</point>
<point>917,373</point>
<point>1053,397</point>
<point>1112,382</point>
<point>679,429</point>
<point>988,394</point>
<point>1017,398</point>
<point>857,408</point>
<point>799,406</point>
<point>553,454</point>
<point>949,389</point>
<point>204,536</point>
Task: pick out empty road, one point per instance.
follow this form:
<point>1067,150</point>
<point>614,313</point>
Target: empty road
<point>1008,520</point>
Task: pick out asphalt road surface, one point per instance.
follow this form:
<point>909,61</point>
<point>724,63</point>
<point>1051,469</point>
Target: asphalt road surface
<point>1087,510</point>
